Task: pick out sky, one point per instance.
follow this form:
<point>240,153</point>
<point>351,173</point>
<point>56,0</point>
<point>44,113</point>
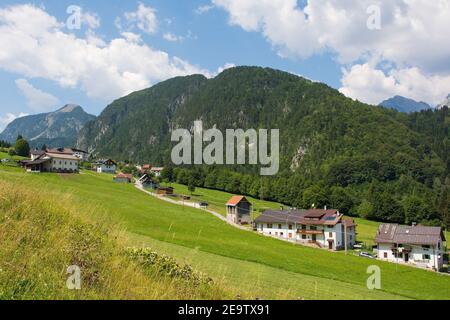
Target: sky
<point>90,53</point>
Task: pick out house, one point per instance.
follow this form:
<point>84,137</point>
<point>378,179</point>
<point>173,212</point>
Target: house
<point>83,155</point>
<point>157,171</point>
<point>105,166</point>
<point>123,178</point>
<point>51,162</point>
<point>80,154</point>
<point>415,245</point>
<point>239,210</point>
<point>325,228</point>
<point>36,154</point>
<point>164,191</point>
<point>145,169</point>
<point>147,182</point>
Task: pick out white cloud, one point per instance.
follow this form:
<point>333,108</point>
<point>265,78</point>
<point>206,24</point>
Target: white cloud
<point>225,67</point>
<point>34,45</point>
<point>92,20</point>
<point>368,84</point>
<point>204,9</point>
<point>8,118</point>
<point>413,33</point>
<point>37,100</point>
<point>144,18</point>
<point>172,37</point>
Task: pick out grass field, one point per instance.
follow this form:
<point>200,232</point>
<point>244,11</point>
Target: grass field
<point>217,199</point>
<point>251,264</point>
<point>4,155</point>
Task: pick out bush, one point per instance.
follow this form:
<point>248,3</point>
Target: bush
<point>166,265</point>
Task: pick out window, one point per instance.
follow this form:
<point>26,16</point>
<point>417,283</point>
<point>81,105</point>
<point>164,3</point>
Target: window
<point>281,234</point>
<point>269,225</point>
<point>290,227</point>
<point>304,236</point>
<point>279,226</point>
<point>439,246</point>
<point>290,235</point>
<point>330,235</point>
<point>385,255</point>
<point>313,228</point>
<point>426,246</point>
<point>276,233</point>
<point>426,257</point>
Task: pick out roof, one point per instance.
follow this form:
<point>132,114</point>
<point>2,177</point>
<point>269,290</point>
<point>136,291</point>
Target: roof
<point>157,169</point>
<point>60,150</point>
<point>37,152</point>
<point>104,161</point>
<point>124,175</point>
<point>39,161</point>
<point>146,167</point>
<point>235,200</point>
<point>306,217</point>
<point>421,235</point>
<point>62,156</point>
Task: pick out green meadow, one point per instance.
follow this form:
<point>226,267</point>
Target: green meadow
<point>242,261</point>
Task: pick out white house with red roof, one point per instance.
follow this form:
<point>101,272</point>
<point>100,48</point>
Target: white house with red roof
<point>325,228</point>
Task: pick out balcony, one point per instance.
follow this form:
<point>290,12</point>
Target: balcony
<point>310,232</point>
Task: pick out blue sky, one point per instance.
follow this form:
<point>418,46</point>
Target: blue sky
<point>122,46</point>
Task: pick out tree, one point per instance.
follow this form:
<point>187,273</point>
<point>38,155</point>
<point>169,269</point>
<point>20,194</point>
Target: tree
<point>341,200</point>
<point>12,152</point>
<point>443,207</point>
<point>167,174</point>
<point>416,210</point>
<point>191,186</point>
<point>22,148</point>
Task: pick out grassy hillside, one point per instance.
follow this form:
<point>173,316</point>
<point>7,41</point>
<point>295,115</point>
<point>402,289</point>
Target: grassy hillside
<point>242,260</point>
<point>217,199</point>
<point>364,160</point>
<point>41,234</point>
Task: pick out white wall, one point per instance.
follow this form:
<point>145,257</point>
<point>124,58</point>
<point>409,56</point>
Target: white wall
<point>57,164</point>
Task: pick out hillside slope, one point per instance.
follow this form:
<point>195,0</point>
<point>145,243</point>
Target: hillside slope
<point>55,129</point>
<point>362,159</point>
<point>247,263</point>
<point>42,233</point>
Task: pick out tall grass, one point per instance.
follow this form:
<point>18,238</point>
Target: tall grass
<point>41,234</point>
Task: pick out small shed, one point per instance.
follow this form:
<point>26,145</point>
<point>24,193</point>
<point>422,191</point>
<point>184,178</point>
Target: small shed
<point>164,191</point>
<point>239,210</point>
<point>123,178</point>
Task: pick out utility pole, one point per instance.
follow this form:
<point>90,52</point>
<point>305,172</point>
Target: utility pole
<point>345,236</point>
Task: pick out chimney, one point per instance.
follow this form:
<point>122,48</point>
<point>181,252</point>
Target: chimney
<point>325,208</point>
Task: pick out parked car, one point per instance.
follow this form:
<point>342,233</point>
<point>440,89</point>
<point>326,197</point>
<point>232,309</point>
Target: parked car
<point>366,255</point>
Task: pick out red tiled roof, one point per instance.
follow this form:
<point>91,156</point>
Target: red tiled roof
<point>124,175</point>
<point>234,201</point>
<point>146,167</point>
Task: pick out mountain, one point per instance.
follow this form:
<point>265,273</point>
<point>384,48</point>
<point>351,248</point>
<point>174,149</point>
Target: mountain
<point>446,102</point>
<point>334,151</point>
<point>403,104</point>
<point>58,128</point>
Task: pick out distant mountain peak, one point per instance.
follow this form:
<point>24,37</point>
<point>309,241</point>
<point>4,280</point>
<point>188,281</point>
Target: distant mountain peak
<point>54,129</point>
<point>404,104</point>
<point>69,108</point>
